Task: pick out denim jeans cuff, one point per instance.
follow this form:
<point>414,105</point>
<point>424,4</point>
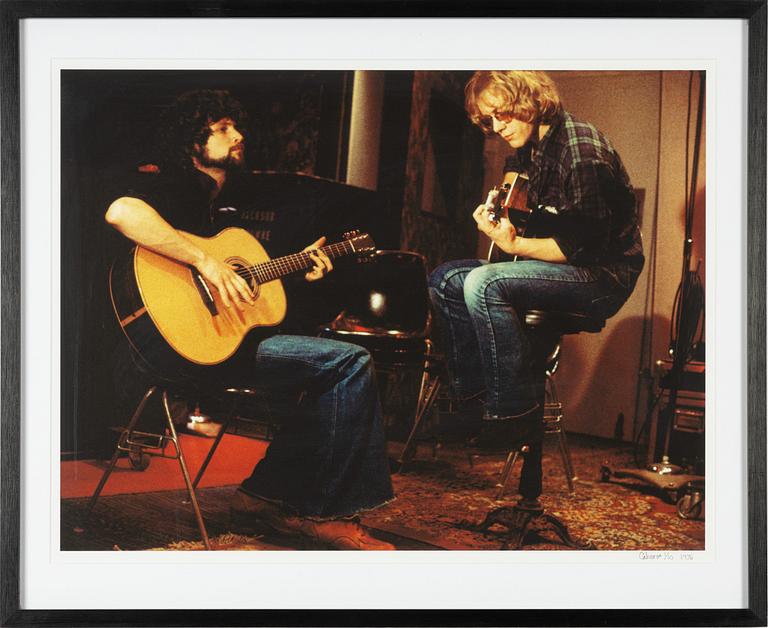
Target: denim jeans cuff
<point>342,514</point>
<point>270,500</point>
<point>356,512</point>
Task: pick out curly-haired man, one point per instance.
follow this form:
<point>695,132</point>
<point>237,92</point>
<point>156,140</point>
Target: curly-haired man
<point>328,461</point>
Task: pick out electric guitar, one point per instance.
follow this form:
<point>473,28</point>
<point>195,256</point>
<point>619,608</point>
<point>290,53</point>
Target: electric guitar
<point>161,303</point>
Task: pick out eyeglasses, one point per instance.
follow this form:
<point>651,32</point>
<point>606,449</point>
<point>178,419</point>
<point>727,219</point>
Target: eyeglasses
<point>500,116</point>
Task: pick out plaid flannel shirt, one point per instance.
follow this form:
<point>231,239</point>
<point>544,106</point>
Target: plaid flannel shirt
<point>576,170</point>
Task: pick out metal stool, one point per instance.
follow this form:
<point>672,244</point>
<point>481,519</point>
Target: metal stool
<point>528,517</point>
<point>139,444</point>
<point>553,424</point>
<point>547,329</point>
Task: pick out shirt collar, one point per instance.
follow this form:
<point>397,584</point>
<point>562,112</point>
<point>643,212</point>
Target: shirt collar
<point>553,126</point>
<point>205,181</point>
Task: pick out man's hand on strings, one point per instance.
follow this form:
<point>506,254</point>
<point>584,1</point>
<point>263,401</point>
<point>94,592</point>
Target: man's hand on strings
<point>231,287</point>
<point>502,231</point>
<point>321,262</point>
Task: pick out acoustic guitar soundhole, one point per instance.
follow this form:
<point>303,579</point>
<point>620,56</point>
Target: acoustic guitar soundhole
<point>242,268</point>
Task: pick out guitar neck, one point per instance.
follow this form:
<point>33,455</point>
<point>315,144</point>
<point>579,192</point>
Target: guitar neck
<point>282,266</point>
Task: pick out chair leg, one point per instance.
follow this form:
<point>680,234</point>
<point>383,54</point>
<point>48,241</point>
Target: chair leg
<point>431,390</point>
<point>215,444</point>
<point>428,390</point>
<point>425,379</point>
<point>211,451</point>
<point>108,471</point>
<point>551,389</point>
<point>565,454</point>
<point>185,473</point>
<point>506,472</point>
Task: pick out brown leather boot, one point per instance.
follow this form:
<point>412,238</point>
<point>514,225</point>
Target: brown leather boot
<point>342,534</point>
<point>260,515</point>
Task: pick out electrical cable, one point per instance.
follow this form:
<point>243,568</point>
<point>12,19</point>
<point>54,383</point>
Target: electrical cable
<point>649,310</point>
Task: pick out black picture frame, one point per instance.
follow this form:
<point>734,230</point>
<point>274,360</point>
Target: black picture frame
<point>13,11</point>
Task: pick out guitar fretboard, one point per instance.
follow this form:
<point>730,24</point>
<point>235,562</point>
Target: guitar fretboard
<point>282,266</point>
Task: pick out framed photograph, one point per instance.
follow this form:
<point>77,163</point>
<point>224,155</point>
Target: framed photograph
<point>160,161</point>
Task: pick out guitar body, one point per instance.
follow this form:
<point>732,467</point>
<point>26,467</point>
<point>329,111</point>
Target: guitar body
<point>511,199</point>
<point>158,302</point>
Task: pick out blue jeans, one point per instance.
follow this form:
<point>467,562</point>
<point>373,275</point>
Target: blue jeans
<point>329,457</point>
<point>477,310</point>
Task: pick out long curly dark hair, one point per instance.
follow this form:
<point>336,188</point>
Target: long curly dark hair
<point>186,124</point>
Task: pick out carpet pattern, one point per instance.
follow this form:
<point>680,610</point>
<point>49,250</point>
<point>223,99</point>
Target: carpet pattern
<point>439,496</point>
<point>437,500</point>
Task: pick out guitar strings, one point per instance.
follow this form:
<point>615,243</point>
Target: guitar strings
<point>272,269</point>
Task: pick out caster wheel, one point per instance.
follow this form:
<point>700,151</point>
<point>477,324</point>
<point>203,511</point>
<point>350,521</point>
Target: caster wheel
<point>605,474</point>
<point>139,460</point>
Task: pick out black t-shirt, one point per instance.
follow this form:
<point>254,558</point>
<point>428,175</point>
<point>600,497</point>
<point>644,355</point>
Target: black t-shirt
<point>283,225</point>
<point>184,198</point>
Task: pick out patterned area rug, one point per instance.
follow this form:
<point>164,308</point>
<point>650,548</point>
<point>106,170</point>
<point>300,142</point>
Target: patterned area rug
<point>222,543</point>
<point>438,499</point>
<point>438,496</point>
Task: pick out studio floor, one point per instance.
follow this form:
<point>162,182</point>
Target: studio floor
<point>439,501</point>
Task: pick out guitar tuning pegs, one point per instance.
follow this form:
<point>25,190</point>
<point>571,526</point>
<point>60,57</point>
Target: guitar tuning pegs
<point>348,235</point>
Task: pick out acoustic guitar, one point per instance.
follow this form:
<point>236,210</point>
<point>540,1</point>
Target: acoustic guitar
<point>511,199</point>
<point>158,300</point>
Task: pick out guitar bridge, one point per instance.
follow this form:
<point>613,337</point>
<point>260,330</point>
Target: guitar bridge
<point>205,293</point>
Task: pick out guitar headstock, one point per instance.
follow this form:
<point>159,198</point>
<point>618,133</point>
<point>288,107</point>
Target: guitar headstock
<point>362,243</point>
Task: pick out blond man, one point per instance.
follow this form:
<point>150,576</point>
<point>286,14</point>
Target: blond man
<point>589,264</point>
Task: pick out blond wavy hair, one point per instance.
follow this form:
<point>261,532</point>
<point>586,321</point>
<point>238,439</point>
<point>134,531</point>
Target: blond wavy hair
<point>527,95</point>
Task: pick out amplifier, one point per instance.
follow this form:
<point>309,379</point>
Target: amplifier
<point>685,422</point>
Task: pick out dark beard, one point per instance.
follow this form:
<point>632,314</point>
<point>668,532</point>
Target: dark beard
<point>230,162</point>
